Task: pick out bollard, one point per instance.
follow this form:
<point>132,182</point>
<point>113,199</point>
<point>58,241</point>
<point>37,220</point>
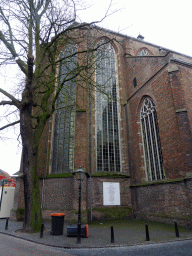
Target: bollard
<point>147,232</point>
<point>6,224</point>
<point>112,235</point>
<point>42,229</point>
<point>176,229</point>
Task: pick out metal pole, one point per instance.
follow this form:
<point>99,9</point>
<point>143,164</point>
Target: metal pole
<point>42,195</point>
<point>147,232</point>
<point>176,229</point>
<point>112,235</point>
<point>6,224</point>
<point>42,229</point>
<point>79,217</point>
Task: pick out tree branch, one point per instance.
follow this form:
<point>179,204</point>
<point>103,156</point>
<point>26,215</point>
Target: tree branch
<point>13,101</point>
<point>8,125</point>
<point>45,8</point>
<point>4,102</point>
<point>11,49</point>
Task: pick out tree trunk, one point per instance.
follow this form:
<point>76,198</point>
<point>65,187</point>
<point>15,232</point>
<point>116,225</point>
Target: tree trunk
<point>27,189</point>
<point>32,221</point>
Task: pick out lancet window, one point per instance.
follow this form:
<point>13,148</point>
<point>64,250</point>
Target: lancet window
<point>64,119</point>
<point>151,141</point>
<point>107,123</point>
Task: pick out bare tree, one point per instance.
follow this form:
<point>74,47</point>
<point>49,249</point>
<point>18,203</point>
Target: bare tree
<point>32,34</point>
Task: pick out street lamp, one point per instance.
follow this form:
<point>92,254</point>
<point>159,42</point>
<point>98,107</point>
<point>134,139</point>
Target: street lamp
<point>80,175</point>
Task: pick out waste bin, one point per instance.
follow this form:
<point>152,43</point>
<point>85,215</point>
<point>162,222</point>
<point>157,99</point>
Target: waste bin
<point>57,223</point>
<point>72,230</point>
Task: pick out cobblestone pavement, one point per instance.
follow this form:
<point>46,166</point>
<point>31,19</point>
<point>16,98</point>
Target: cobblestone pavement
<point>99,236</point>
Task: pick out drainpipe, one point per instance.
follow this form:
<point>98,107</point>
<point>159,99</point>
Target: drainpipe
<point>90,134</point>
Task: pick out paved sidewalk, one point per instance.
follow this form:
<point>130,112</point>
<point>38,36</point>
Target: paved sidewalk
<point>125,233</point>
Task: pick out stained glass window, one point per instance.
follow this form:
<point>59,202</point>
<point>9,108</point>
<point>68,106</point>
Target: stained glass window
<point>64,119</point>
<point>151,141</point>
<point>107,126</point>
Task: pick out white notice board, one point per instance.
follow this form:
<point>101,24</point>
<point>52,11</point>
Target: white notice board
<point>111,193</point>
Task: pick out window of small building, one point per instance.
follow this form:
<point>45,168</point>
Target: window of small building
<point>151,141</point>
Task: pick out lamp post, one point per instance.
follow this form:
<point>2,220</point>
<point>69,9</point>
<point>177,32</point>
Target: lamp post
<point>80,175</point>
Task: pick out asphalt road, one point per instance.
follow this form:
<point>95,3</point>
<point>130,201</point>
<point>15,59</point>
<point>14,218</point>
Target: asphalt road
<point>17,247</point>
<point>181,248</point>
<point>12,246</point>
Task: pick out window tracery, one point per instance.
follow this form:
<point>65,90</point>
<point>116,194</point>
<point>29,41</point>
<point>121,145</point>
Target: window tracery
<point>107,126</point>
<point>151,141</point>
<point>64,119</point>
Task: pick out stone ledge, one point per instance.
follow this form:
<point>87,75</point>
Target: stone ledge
<point>160,182</point>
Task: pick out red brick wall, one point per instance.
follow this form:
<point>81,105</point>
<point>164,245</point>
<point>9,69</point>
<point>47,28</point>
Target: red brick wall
<point>143,69</point>
<point>63,193</point>
<point>169,199</point>
<point>159,88</point>
<point>81,141</point>
<point>58,193</point>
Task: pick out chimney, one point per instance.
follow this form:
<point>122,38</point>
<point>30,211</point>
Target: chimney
<point>140,37</point>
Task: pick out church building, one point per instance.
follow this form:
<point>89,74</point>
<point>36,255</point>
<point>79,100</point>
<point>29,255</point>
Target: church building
<point>130,132</point>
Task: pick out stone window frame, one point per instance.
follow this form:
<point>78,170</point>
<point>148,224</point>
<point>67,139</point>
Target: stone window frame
<point>62,151</point>
<point>153,159</point>
<point>106,87</point>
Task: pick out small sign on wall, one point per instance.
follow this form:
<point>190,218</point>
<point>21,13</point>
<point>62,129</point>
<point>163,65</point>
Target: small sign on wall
<point>111,193</point>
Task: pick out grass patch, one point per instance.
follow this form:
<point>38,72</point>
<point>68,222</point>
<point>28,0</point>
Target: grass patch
<point>133,231</point>
<point>137,225</point>
<point>113,212</point>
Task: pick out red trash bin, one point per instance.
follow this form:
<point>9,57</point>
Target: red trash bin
<point>57,223</point>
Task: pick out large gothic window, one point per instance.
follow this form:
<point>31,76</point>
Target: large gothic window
<point>64,119</point>
<point>151,141</point>
<point>107,127</point>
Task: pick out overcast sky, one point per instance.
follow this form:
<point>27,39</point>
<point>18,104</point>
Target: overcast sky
<point>166,23</point>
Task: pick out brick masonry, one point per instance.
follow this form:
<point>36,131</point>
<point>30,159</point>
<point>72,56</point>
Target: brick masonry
<point>164,202</point>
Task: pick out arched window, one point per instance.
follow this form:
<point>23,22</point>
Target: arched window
<point>144,52</point>
<point>151,141</point>
<point>64,119</point>
<point>107,126</point>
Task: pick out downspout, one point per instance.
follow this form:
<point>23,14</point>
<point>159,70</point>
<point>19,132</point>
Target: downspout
<point>42,193</point>
<point>90,135</point>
